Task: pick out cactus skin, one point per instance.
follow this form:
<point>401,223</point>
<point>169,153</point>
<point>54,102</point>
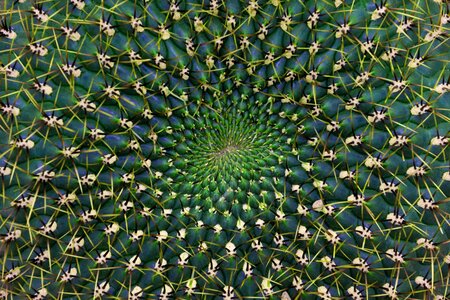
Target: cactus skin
<point>229,150</point>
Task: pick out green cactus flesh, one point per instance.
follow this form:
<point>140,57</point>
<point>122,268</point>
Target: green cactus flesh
<point>224,149</point>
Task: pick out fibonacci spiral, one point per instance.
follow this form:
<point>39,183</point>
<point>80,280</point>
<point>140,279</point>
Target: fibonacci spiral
<point>224,149</point>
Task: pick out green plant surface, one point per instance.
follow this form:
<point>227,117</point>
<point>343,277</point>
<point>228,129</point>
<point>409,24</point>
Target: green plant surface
<point>224,149</point>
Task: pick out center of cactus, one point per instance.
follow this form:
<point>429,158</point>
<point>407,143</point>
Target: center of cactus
<point>228,150</point>
<point>232,143</point>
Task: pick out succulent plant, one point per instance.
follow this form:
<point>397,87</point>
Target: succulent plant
<point>234,149</point>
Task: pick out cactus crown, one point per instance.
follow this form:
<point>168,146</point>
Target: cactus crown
<point>224,149</point>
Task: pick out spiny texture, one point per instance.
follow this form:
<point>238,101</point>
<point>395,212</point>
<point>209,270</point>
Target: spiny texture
<point>224,149</point>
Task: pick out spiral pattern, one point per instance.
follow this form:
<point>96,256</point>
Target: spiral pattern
<point>224,149</point>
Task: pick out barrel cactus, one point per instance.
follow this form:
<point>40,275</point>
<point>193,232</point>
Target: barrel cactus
<point>228,149</point>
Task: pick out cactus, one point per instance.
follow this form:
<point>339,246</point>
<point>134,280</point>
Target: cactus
<point>212,149</point>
